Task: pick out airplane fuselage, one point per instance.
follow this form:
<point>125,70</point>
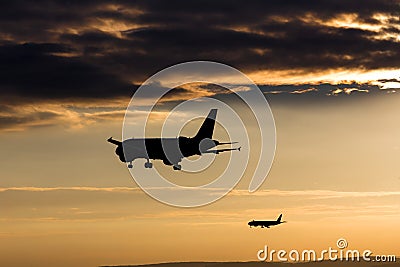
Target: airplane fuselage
<point>169,150</point>
<point>263,223</point>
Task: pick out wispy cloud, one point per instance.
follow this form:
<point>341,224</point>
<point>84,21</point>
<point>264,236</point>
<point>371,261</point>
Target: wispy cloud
<point>69,114</point>
<point>303,91</point>
<point>77,205</point>
<point>314,194</point>
<point>77,188</point>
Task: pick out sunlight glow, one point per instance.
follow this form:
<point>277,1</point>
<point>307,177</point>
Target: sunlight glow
<point>331,76</point>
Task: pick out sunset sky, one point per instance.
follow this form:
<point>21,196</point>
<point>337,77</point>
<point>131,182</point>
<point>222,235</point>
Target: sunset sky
<point>330,70</point>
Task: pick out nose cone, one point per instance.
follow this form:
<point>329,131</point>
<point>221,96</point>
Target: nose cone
<point>120,152</point>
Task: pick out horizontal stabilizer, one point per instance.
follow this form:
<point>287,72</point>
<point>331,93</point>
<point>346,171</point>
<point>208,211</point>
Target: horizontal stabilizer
<point>225,143</point>
<point>217,151</point>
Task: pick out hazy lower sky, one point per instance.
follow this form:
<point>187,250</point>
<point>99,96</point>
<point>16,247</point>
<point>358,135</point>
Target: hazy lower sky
<point>329,69</point>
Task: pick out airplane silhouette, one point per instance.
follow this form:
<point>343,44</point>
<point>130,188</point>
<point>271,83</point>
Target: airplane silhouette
<point>171,150</point>
<point>266,223</point>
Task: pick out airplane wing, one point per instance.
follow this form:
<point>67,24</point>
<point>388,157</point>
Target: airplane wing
<point>217,151</point>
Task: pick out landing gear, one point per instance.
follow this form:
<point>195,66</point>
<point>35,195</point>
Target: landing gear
<point>130,166</point>
<point>148,164</point>
<point>177,167</point>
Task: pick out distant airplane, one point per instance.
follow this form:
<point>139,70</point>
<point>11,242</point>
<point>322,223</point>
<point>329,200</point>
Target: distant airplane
<point>171,150</point>
<point>266,223</point>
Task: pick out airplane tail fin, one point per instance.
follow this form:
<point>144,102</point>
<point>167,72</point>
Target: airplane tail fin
<point>207,128</point>
<point>279,218</point>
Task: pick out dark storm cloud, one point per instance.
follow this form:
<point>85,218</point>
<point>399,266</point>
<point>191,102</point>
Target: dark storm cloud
<point>303,46</point>
<point>31,70</point>
<point>253,11</point>
<point>64,49</point>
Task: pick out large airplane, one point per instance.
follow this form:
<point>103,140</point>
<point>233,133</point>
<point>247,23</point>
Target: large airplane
<point>171,150</point>
<point>266,223</point>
